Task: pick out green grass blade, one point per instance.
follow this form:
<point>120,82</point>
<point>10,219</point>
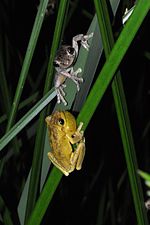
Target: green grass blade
<point>144,175</point>
<point>27,60</point>
<point>45,197</point>
<point>39,142</point>
<point>122,114</point>
<point>130,156</point>
<point>89,65</point>
<point>91,62</point>
<point>110,67</point>
<point>23,201</point>
<point>45,162</point>
<point>114,5</point>
<point>6,99</point>
<point>146,178</point>
<point>22,105</point>
<point>26,118</point>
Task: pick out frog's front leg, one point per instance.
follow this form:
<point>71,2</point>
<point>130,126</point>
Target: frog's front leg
<point>84,41</point>
<point>77,136</point>
<point>77,156</point>
<point>59,82</point>
<point>73,75</point>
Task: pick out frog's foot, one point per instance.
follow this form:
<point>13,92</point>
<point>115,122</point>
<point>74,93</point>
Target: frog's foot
<point>60,94</point>
<point>74,77</point>
<point>84,41</point>
<point>77,136</point>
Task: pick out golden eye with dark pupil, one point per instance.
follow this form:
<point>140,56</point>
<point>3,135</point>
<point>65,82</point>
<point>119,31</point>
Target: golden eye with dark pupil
<point>61,121</point>
<point>70,50</point>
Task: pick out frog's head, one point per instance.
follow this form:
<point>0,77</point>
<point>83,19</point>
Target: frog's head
<point>63,121</point>
<point>70,123</point>
<point>65,57</point>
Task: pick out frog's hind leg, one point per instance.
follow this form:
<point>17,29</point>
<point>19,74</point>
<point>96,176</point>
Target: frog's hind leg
<point>73,75</point>
<point>78,156</point>
<point>81,147</point>
<point>55,162</point>
<point>60,94</point>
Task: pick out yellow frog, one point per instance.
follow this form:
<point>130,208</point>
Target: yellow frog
<point>63,134</point>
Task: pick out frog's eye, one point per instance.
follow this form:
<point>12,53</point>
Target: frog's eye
<point>70,50</point>
<point>61,121</point>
